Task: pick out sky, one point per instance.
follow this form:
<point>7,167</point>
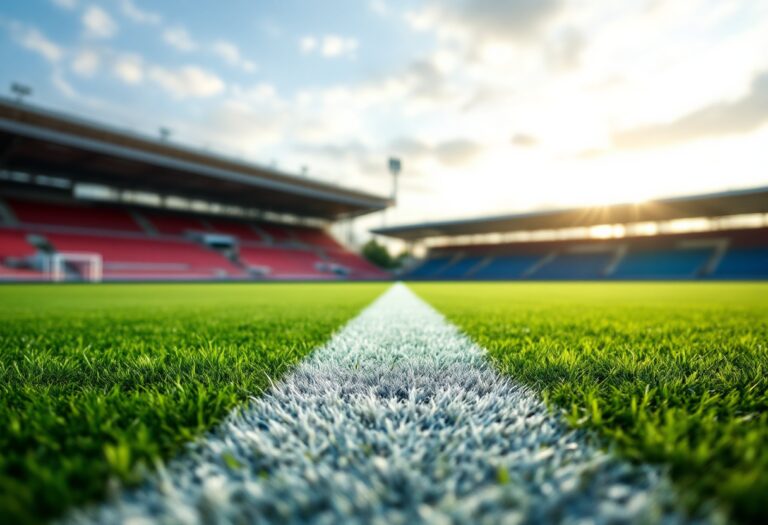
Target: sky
<point>494,106</point>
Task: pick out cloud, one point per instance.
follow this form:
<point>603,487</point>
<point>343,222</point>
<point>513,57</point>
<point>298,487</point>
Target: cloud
<point>524,140</point>
<point>566,49</point>
<point>129,68</point>
<point>32,39</point>
<point>485,20</point>
<point>452,153</point>
<point>86,62</point>
<point>187,81</point>
<point>458,152</point>
<point>231,54</point>
<point>307,44</point>
<point>329,46</point>
<point>137,14</point>
<point>179,38</point>
<point>98,23</point>
<point>65,4</point>
<point>722,118</point>
<point>379,7</point>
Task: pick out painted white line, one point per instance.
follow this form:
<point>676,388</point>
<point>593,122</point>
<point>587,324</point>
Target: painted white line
<point>397,419</point>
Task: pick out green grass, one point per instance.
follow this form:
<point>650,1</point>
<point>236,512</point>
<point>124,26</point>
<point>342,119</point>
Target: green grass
<point>98,382</point>
<point>667,373</point>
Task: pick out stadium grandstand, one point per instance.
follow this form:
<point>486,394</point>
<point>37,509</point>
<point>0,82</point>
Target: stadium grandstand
<point>80,200</point>
<point>712,236</point>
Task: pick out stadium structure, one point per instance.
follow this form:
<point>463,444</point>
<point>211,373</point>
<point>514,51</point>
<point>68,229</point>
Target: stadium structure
<point>84,201</point>
<point>712,236</point>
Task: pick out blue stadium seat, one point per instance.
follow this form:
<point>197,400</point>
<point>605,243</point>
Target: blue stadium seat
<point>575,266</point>
<point>507,267</point>
<point>460,268</point>
<point>743,263</point>
<point>662,264</point>
<point>430,267</point>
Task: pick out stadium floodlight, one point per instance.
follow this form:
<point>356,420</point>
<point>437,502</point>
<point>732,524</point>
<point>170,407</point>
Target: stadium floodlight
<point>395,167</point>
<point>165,133</point>
<point>21,91</point>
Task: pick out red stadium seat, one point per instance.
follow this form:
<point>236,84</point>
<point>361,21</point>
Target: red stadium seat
<point>148,258</point>
<point>13,243</point>
<point>73,215</point>
<point>174,224</point>
<point>357,266</point>
<point>283,262</point>
<point>241,230</point>
<point>278,233</point>
<point>315,237</point>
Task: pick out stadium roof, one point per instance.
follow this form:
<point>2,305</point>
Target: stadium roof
<point>737,202</point>
<point>49,143</point>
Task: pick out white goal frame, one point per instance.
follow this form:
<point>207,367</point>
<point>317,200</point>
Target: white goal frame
<point>92,261</point>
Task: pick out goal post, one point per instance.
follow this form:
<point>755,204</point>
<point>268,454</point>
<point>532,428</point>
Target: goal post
<point>88,265</point>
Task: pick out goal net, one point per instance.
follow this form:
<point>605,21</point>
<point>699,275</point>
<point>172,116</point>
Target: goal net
<point>64,266</point>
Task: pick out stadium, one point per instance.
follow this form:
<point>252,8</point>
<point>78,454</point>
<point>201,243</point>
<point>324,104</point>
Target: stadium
<point>524,281</point>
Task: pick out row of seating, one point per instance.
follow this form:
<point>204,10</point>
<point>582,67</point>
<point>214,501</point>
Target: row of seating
<point>157,245</point>
<point>563,261</point>
<point>81,216</point>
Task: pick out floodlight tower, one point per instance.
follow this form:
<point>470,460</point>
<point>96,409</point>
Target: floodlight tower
<point>21,91</point>
<point>395,167</point>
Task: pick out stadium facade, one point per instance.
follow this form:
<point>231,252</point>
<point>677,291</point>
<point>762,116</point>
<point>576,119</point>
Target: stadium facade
<point>711,236</point>
<point>80,200</point>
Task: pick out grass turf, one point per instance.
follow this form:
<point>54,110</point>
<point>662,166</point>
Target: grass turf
<point>670,373</point>
<point>99,382</point>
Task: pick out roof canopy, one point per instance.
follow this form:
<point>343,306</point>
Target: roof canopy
<point>48,143</point>
<point>709,205</point>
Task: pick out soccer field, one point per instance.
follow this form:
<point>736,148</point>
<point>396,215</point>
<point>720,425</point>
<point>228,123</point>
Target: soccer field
<point>673,373</point>
<point>99,382</point>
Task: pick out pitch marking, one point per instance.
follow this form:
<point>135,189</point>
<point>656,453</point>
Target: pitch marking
<point>399,418</point>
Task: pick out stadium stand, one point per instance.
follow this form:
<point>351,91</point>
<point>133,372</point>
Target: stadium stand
<point>460,268</point>
<point>352,265</point>
<point>47,156</point>
<point>283,263</point>
<point>79,216</point>
<point>661,257</point>
<point>166,224</point>
<point>170,250</point>
<point>662,264</point>
<point>719,252</point>
<point>507,267</point>
<point>574,266</point>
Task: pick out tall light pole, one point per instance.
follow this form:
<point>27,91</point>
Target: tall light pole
<point>21,91</point>
<point>395,167</point>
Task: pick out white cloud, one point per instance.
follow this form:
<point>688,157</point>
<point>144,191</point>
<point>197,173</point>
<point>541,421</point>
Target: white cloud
<point>379,7</point>
<point>137,14</point>
<point>335,46</point>
<point>86,62</point>
<point>307,44</point>
<point>60,83</point>
<point>179,38</point>
<point>329,46</point>
<point>32,39</point>
<point>187,81</point>
<point>231,54</point>
<point>484,21</point>
<point>129,68</point>
<point>65,4</point>
<point>98,23</point>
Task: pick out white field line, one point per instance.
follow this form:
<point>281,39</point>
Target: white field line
<point>397,419</point>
